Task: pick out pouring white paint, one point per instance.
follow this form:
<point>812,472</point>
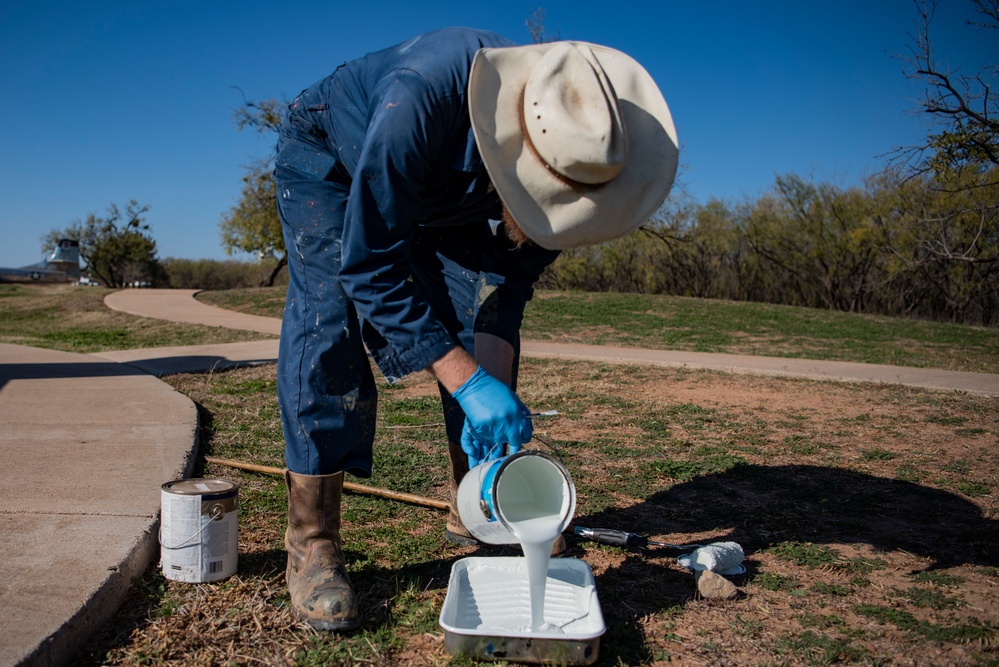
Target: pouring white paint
<point>536,539</point>
<point>526,498</point>
<point>533,496</point>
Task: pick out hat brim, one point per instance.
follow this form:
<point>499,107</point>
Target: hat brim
<point>556,213</point>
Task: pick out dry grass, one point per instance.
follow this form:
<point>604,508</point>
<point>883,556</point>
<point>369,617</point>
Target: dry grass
<point>869,514</point>
<point>75,319</point>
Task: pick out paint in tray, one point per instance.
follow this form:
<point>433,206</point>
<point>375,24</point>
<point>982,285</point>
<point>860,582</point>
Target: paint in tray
<point>487,611</point>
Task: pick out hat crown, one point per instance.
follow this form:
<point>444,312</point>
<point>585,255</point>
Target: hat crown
<point>566,183</point>
<point>572,116</point>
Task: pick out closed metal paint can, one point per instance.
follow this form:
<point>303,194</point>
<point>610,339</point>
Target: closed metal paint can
<point>518,487</point>
<point>198,529</point>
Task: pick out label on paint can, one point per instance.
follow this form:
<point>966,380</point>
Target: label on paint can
<point>198,530</point>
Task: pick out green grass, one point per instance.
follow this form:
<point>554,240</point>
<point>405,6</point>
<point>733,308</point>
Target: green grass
<point>686,470</point>
<point>813,556</point>
<point>861,565</point>
<point>962,633</point>
<point>875,454</point>
<point>701,325</point>
<point>819,649</point>
<point>735,327</point>
<point>824,588</point>
<point>910,473</point>
<point>938,579</point>
<point>973,489</point>
<point>929,598</point>
<point>776,582</point>
<point>648,453</point>
<point>263,301</point>
<point>809,555</point>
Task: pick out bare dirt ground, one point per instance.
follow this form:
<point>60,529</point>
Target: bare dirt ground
<point>869,515</point>
<point>860,551</point>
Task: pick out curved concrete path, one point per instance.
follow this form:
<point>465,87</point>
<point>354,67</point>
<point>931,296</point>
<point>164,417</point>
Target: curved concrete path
<point>181,306</point>
<point>89,439</point>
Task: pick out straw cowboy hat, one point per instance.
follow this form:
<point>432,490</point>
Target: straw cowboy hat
<point>577,139</point>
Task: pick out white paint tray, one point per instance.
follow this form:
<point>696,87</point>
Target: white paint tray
<point>487,612</point>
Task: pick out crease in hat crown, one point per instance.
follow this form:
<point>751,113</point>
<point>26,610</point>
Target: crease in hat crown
<point>572,118</point>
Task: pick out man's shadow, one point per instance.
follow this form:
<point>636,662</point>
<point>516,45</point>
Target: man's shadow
<point>761,506</point>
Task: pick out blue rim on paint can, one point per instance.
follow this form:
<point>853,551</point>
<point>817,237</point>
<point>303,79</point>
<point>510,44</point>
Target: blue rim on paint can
<point>489,481</point>
<point>488,486</point>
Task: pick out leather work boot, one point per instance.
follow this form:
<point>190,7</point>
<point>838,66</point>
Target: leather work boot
<point>454,530</point>
<point>320,590</point>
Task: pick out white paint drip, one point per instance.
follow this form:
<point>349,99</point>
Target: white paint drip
<point>536,537</point>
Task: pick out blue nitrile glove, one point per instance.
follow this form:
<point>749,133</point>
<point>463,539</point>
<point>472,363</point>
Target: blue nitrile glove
<point>493,416</point>
<point>478,450</point>
<point>475,448</point>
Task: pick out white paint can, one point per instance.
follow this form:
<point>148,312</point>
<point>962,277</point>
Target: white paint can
<point>514,488</point>
<point>198,527</point>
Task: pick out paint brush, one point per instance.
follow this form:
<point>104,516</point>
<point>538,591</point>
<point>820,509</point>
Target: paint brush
<point>621,538</point>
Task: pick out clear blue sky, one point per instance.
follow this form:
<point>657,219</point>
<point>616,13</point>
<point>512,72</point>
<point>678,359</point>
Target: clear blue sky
<point>110,101</point>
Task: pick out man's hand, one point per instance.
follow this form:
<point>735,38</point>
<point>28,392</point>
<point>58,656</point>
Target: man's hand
<point>477,450</point>
<point>495,357</point>
<point>494,416</point>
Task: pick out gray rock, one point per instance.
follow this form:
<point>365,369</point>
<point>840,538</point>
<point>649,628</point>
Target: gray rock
<point>713,586</point>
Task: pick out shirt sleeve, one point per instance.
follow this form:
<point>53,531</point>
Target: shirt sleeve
<point>407,129</point>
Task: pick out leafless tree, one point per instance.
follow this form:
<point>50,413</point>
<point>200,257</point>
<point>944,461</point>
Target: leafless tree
<point>536,26</point>
<point>963,104</point>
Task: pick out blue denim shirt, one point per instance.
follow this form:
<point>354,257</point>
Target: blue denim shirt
<point>396,124</point>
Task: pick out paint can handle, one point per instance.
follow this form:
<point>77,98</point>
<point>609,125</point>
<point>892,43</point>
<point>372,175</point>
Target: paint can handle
<point>217,513</point>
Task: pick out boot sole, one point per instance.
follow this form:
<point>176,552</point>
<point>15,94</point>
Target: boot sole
<point>335,627</point>
<point>329,626</point>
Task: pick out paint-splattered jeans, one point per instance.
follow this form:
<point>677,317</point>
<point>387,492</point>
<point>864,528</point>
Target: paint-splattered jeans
<point>326,388</point>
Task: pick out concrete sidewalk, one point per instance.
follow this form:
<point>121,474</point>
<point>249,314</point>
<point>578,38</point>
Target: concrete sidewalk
<point>838,371</point>
<point>86,445</point>
<point>89,439</point>
<point>181,306</point>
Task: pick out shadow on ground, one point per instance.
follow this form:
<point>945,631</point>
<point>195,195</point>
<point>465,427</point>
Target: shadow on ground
<point>760,507</point>
<point>757,506</point>
<point>63,371</point>
<point>763,506</point>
